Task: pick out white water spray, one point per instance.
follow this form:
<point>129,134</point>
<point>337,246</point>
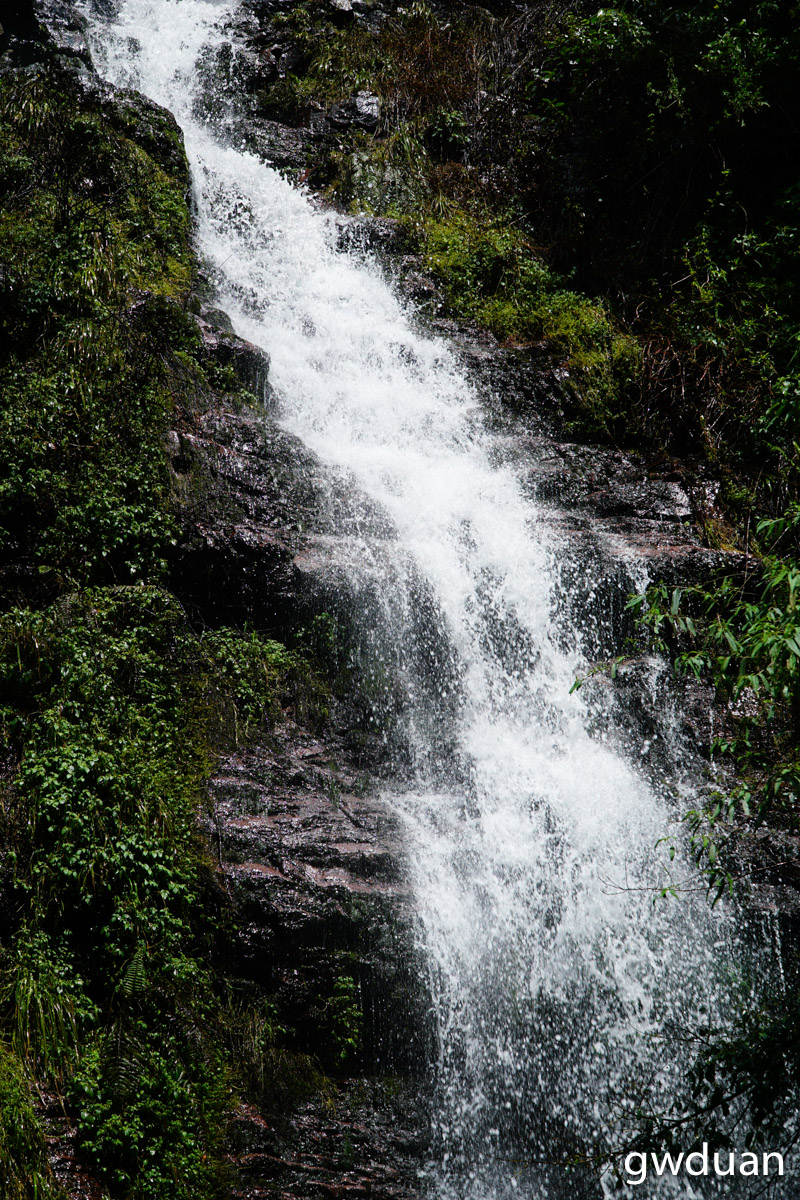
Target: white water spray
<point>554,993</point>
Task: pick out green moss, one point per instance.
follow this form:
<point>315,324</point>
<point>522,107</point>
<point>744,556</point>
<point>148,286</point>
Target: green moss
<point>491,274</point>
<point>95,252</point>
<point>343,62</point>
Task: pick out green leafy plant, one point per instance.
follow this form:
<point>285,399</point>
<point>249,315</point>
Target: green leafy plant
<point>343,1019</point>
<point>254,673</point>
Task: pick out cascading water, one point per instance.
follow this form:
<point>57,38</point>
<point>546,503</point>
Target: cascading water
<point>555,995</point>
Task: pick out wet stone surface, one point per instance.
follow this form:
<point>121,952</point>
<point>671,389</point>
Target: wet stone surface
<point>366,1145</point>
<point>310,857</point>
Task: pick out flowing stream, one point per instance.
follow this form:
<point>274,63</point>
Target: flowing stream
<point>558,997</point>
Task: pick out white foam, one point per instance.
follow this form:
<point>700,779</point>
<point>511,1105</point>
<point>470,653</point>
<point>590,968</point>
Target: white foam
<point>552,989</point>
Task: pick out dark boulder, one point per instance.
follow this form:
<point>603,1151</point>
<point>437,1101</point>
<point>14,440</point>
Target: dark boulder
<point>361,111</point>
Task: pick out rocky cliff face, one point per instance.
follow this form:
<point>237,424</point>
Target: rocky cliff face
<point>309,854</point>
<point>313,868</point>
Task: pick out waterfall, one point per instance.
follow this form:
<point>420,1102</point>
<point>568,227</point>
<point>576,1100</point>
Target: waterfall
<point>559,988</point>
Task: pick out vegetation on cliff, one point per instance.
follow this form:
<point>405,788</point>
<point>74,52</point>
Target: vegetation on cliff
<point>618,183</point>
<point>617,188</point>
<point>112,705</point>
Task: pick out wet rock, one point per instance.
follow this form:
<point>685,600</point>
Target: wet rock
<point>271,538</point>
<point>361,111</point>
<point>312,862</point>
<point>250,363</point>
<point>265,527</point>
<point>291,60</point>
<point>341,11</point>
<point>767,861</point>
<point>312,858</point>
<point>381,237</point>
<point>45,31</point>
<point>66,27</point>
<point>368,1145</point>
<point>233,562</point>
<point>73,1176</point>
<point>308,852</point>
<point>287,148</point>
<point>23,37</point>
<point>420,288</point>
<point>266,68</point>
<point>20,21</point>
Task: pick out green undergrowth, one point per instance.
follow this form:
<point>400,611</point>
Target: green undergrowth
<point>274,1072</point>
<point>662,171</point>
<point>255,678</point>
<point>104,991</point>
<point>491,274</point>
<point>113,706</point>
<point>24,1170</point>
<point>95,255</point>
<point>740,635</point>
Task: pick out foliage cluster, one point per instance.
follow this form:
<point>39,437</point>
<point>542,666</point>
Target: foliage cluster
<point>114,704</point>
<point>94,236</point>
<point>642,151</point>
<point>111,705</point>
<point>254,677</point>
<point>743,636</point>
<point>663,171</point>
<point>342,1019</point>
<point>108,695</point>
